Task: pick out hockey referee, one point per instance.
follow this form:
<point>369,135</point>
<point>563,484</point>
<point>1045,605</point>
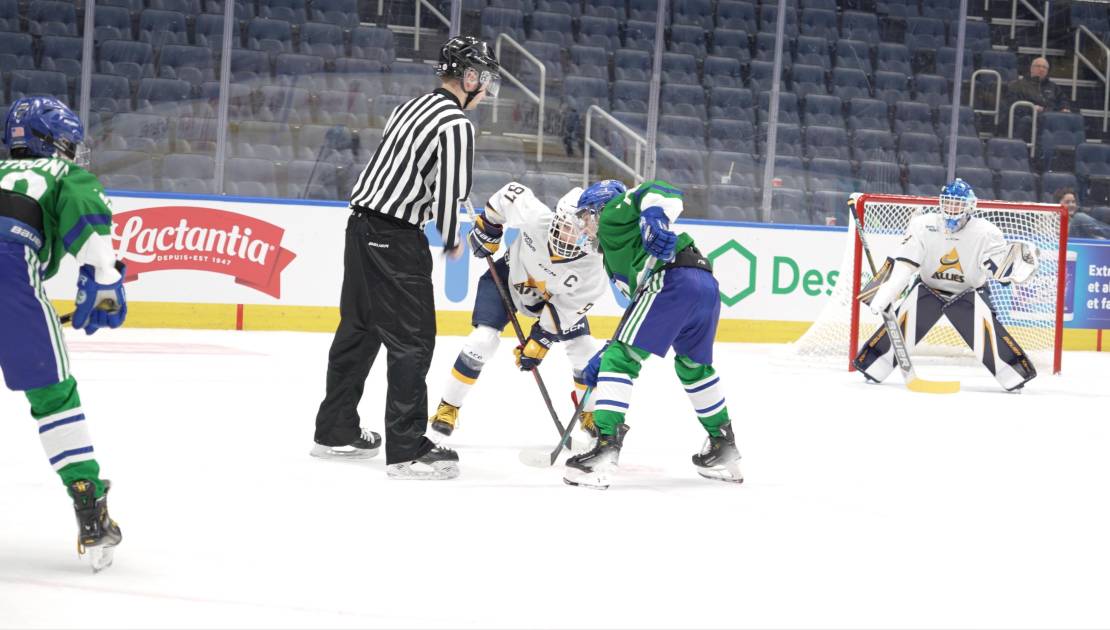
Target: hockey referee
<point>420,172</point>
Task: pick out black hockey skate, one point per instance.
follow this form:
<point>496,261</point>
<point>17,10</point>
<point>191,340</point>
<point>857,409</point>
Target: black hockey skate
<point>719,459</point>
<point>364,446</point>
<point>438,463</point>
<point>97,533</point>
<point>593,468</point>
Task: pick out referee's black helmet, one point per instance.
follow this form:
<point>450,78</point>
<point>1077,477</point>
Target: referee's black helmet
<point>467,52</point>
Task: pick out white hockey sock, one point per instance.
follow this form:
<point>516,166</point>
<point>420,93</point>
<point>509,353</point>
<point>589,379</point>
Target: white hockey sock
<point>65,438</point>
<point>480,345</point>
<point>706,396</point>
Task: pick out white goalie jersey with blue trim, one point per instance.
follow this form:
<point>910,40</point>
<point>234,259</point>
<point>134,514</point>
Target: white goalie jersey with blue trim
<point>953,262</point>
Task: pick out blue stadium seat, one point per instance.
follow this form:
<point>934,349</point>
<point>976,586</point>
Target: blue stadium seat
<point>931,89</point>
<point>630,96</point>
<point>359,75</point>
<point>639,35</point>
<point>373,42</point>
<point>683,100</point>
<point>893,57</point>
<point>969,152</point>
<point>765,45</point>
<point>912,117</point>
<point>1017,186</point>
<point>169,97</point>
<point>552,27</point>
<point>188,7</point>
<point>966,121</point>
<point>732,44</point>
<point>382,106</point>
<point>265,138</point>
<point>550,55</point>
<point>209,32</point>
<point>643,10</point>
<point>194,64</point>
<point>849,83</point>
<point>271,36</point>
<point>303,70</point>
<point>924,33</point>
<point>1053,181</point>
<point>924,179</point>
<point>284,104</point>
<point>859,26</point>
<point>768,15</point>
<point>830,174</point>
<point>547,186</point>
<point>249,65</point>
<point>159,28</point>
<point>827,142</point>
<point>819,23</point>
<point>813,51</point>
<point>111,23</point>
<point>1091,15</point>
<point>788,141</point>
<point>732,203</point>
<point>828,5</point>
<point>737,15</point>
<point>919,148</point>
<point>1004,154</point>
<point>322,40</point>
<point>116,162</point>
<point>195,135</point>
<point>581,92</point>
<point>241,172</point>
<point>1092,169</point>
<point>1059,134</point>
<point>682,132</point>
<point>824,110</point>
<point>851,53</point>
<point>808,80</point>
<point>565,7</point>
<point>123,181</point>
<point>134,60</point>
<point>695,12</point>
<point>49,17</point>
<point>632,65</point>
<point>601,31</point>
<point>679,68</point>
<point>788,108</point>
<point>309,179</point>
<point>880,177</point>
<point>109,94</point>
<point>940,9</point>
<point>830,203</point>
<point>721,72</point>
<point>873,145</point>
<point>342,13</point>
<point>730,168</point>
<point>589,61</point>
<point>681,167</point>
<point>32,82</point>
<point>731,103</point>
<point>292,11</point>
<point>145,131</point>
<point>898,8</point>
<point>788,207</point>
<point>508,21</point>
<point>789,170</point>
<point>731,135</point>
<point>868,113</point>
<point>16,51</point>
<point>688,39</point>
<point>1004,61</point>
<point>9,15</point>
<point>761,75</point>
<point>607,8</point>
<point>341,107</point>
<point>244,9</point>
<point>977,36</point>
<point>946,63</point>
<point>62,54</point>
<point>980,179</point>
<point>891,87</point>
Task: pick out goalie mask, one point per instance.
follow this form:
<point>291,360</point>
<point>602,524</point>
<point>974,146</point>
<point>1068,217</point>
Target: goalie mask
<point>957,203</point>
<point>572,230</point>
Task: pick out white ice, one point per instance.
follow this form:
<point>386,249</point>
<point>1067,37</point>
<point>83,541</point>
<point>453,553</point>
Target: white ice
<point>864,506</point>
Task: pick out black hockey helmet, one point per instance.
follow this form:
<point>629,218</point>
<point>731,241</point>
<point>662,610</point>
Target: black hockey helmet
<point>466,52</point>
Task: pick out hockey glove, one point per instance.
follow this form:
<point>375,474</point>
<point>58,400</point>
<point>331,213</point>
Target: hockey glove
<point>589,374</point>
<point>531,354</point>
<point>484,237</point>
<point>659,240</point>
<point>99,305</point>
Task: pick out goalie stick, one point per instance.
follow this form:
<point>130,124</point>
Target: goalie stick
<point>913,382</point>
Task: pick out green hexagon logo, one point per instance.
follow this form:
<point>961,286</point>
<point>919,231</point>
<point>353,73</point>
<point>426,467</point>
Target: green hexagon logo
<point>734,267</point>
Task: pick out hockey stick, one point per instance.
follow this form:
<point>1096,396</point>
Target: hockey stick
<point>506,302</point>
<point>913,382</point>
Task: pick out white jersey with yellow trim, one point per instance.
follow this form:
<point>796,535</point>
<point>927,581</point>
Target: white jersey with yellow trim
<point>559,291</point>
<point>952,262</point>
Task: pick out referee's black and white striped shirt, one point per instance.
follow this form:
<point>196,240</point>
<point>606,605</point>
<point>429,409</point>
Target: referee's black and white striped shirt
<point>422,169</point>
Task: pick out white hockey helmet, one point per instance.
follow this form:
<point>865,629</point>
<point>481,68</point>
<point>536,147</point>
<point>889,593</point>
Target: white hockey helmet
<point>572,230</point>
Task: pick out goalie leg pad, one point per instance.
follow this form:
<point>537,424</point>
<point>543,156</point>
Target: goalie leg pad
<point>917,314</point>
<point>972,316</point>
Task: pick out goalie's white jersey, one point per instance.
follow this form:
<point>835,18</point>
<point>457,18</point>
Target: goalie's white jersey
<point>559,291</point>
<point>952,262</point>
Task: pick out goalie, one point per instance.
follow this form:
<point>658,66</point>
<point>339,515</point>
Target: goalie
<point>954,254</point>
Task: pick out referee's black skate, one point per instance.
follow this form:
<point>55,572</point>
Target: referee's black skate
<point>594,468</point>
<point>438,463</point>
<point>719,458</point>
<point>97,533</point>
<point>364,446</point>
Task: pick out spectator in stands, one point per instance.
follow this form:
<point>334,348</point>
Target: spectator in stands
<point>1036,88</point>
<point>1080,224</point>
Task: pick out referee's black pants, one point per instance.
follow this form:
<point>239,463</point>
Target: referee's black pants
<point>387,299</point>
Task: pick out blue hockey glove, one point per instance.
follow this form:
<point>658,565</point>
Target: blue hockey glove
<point>589,374</point>
<point>484,237</point>
<point>531,354</point>
<point>99,305</point>
<point>659,240</point>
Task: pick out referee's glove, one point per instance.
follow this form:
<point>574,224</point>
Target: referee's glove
<point>484,237</point>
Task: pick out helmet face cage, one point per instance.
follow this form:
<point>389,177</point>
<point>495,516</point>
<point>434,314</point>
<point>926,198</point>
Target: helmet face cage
<point>572,230</point>
<point>464,55</point>
<point>486,79</point>
<point>957,203</point>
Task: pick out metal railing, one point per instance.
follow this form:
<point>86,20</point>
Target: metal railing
<point>527,92</point>
<point>1041,17</point>
<point>1033,133</point>
<point>636,170</point>
<point>416,24</point>
<point>997,93</point>
<point>1103,74</point>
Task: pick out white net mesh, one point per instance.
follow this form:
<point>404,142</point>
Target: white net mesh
<point>1028,311</point>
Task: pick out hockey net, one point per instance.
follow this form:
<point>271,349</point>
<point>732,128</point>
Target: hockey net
<point>1032,312</point>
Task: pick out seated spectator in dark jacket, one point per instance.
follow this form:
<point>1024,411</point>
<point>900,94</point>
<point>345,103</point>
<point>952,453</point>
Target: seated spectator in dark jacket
<point>1038,89</point>
<point>1080,224</point>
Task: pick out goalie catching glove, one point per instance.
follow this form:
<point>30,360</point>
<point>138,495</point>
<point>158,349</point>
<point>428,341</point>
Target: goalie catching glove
<point>531,354</point>
<point>1017,263</point>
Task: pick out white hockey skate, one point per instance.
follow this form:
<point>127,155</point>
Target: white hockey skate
<point>595,468</point>
<point>719,459</point>
<point>365,446</point>
<point>438,463</point>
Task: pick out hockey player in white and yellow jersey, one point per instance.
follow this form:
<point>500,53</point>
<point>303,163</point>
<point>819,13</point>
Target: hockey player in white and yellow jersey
<point>954,253</point>
<point>552,271</point>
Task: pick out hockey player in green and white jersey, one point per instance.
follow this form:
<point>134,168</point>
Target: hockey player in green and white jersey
<point>678,308</point>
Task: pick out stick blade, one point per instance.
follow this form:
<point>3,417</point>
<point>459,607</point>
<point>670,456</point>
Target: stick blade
<point>923,386</point>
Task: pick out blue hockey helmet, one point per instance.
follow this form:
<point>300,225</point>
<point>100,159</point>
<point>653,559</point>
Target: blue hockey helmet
<point>42,126</point>
<point>957,202</point>
<point>600,193</point>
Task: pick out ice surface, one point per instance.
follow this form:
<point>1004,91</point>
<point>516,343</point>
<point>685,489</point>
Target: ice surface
<point>864,506</point>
